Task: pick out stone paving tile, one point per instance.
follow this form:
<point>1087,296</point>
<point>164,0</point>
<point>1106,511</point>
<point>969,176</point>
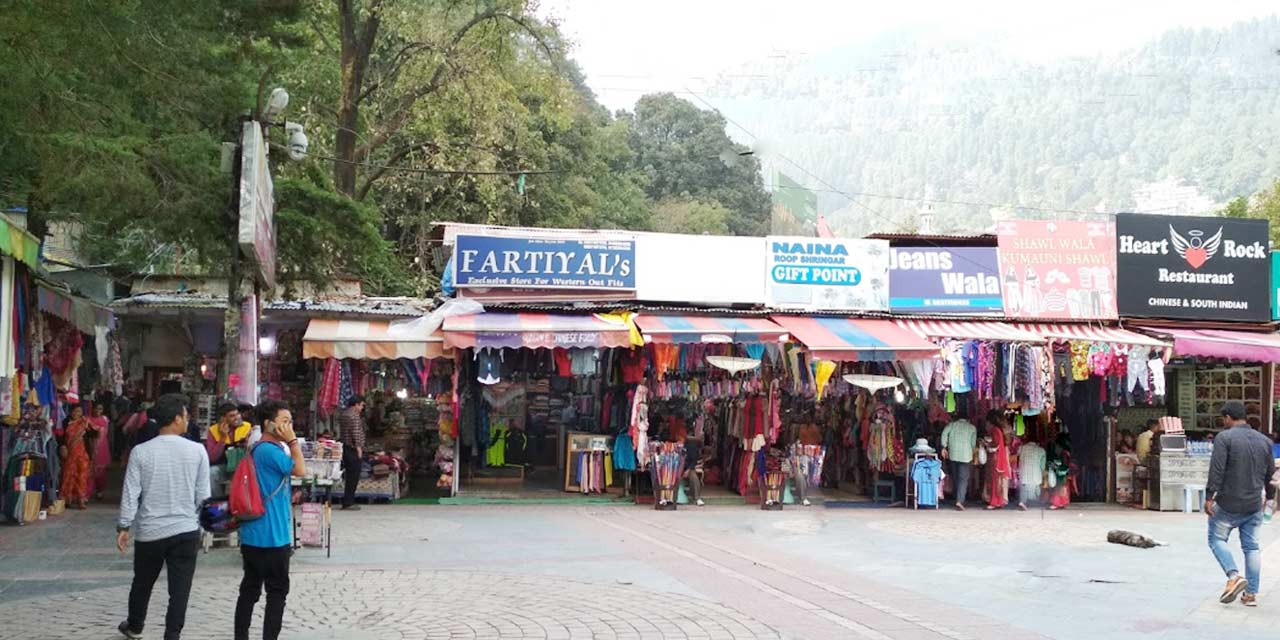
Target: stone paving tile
<point>717,574</point>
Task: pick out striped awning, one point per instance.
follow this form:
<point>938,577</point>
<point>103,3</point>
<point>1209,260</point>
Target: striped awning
<point>534,330</point>
<point>685,329</point>
<point>1244,346</point>
<point>969,330</point>
<point>857,339</point>
<point>366,340</point>
<point>1091,333</point>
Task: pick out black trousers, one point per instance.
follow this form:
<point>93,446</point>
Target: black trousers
<point>177,553</point>
<point>350,474</point>
<point>267,567</point>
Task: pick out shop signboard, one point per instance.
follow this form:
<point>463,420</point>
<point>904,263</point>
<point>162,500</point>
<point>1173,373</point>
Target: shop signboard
<point>1275,285</point>
<point>944,280</point>
<point>256,233</point>
<point>827,274</point>
<point>588,263</point>
<point>1058,269</point>
<point>1193,267</point>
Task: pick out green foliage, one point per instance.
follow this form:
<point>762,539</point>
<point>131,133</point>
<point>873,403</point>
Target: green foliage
<point>113,115</point>
<point>1264,205</point>
<point>685,152</point>
<point>691,216</point>
<point>969,120</point>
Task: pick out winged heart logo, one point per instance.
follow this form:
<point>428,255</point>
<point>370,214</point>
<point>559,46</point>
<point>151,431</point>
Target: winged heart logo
<point>1195,249</point>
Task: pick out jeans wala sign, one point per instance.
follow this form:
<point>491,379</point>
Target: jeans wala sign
<point>1193,267</point>
<point>944,280</point>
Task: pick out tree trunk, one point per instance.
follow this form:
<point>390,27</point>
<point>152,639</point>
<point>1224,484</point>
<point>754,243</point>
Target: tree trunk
<point>357,44</point>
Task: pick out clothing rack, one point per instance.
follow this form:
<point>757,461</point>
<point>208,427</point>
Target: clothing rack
<point>913,490</point>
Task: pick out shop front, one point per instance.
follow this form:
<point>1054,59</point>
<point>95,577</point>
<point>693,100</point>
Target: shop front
<point>406,380</point>
<point>541,399</point>
<point>59,370</point>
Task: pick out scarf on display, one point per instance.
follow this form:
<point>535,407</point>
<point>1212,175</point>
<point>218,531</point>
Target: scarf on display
<point>822,371</point>
<point>639,427</point>
<point>328,399</point>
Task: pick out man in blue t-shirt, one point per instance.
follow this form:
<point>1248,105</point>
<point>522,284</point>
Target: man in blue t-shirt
<point>266,544</point>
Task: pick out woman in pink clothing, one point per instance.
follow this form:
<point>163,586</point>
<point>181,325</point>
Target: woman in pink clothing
<point>101,454</point>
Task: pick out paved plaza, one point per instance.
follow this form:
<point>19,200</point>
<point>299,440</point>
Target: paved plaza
<point>625,572</point>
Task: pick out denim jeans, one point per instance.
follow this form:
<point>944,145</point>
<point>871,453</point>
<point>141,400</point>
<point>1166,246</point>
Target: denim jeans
<point>1220,526</point>
<point>960,472</point>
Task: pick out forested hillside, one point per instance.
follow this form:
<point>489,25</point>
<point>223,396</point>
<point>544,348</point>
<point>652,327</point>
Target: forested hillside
<point>906,113</point>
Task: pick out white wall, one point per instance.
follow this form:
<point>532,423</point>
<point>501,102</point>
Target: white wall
<point>700,269</point>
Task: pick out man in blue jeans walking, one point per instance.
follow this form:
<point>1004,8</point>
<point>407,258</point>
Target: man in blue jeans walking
<point>1239,475</point>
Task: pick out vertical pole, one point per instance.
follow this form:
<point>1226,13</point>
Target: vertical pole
<point>235,275</point>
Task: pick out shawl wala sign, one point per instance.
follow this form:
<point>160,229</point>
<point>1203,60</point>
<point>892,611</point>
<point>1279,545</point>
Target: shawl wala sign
<point>1058,269</point>
<point>944,280</point>
<point>827,274</point>
<point>1193,267</point>
<point>601,264</point>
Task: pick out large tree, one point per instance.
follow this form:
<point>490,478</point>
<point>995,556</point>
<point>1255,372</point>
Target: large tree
<point>113,115</point>
<point>685,153</point>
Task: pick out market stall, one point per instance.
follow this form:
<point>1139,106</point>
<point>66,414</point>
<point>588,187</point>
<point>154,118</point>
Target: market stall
<point>714,390</point>
<point>406,379</point>
<point>527,382</point>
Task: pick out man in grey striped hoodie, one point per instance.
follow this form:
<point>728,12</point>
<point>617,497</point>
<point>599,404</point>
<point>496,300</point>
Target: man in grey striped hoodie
<point>166,481</point>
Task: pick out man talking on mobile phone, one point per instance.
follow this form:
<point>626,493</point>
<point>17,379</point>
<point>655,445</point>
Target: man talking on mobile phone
<point>266,544</point>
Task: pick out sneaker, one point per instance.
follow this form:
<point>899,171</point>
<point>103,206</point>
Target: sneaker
<point>806,502</point>
<point>1249,599</point>
<point>701,502</point>
<point>1235,586</point>
<point>354,507</point>
<point>128,633</point>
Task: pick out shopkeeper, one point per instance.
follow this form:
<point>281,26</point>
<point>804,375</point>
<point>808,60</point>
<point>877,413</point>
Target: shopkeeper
<point>1145,439</point>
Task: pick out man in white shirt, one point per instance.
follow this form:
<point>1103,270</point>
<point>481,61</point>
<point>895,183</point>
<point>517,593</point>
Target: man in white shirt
<point>959,440</point>
<point>165,483</point>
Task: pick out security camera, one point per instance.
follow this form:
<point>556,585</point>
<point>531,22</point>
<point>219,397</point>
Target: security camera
<point>275,104</point>
<point>297,141</point>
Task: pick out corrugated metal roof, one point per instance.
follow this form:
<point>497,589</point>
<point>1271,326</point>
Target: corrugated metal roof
<point>373,307</point>
<point>368,307</point>
<point>171,301</point>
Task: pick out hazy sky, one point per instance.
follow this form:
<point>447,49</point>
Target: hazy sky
<point>631,48</point>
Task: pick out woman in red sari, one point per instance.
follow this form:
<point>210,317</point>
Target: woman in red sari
<point>999,469</point>
<point>98,424</point>
<point>76,482</point>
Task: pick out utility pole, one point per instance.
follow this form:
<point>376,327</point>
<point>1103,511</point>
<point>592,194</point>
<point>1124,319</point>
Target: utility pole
<point>251,265</point>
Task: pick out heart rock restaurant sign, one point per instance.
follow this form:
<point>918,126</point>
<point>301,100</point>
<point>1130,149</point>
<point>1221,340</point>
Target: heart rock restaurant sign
<point>1193,267</point>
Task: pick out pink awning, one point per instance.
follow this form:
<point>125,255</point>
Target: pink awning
<point>533,330</point>
<point>969,330</point>
<point>1219,343</point>
<point>1091,333</point>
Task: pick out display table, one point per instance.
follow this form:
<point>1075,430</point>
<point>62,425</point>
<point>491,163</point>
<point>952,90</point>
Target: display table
<point>1171,471</point>
<point>387,488</point>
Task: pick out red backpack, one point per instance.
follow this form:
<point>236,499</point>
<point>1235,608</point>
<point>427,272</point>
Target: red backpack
<point>246,502</point>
